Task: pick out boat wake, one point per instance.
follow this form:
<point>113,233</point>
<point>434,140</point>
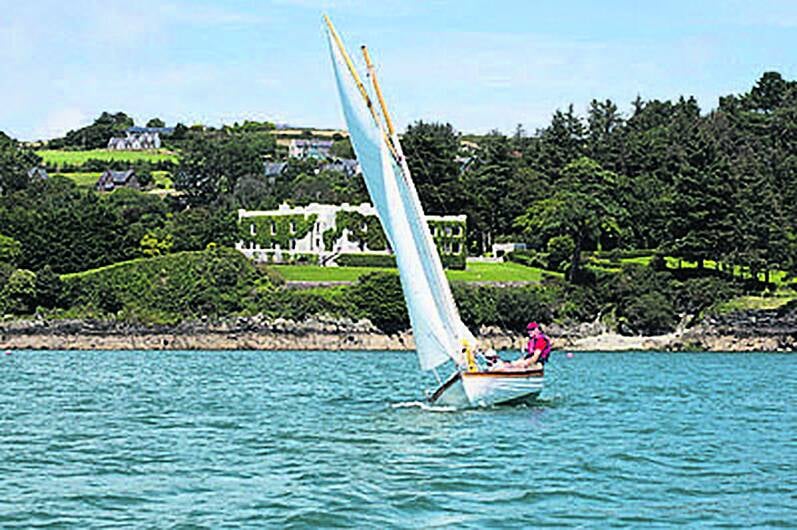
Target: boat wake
<point>422,405</point>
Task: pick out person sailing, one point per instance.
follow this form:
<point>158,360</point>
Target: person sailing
<point>537,352</point>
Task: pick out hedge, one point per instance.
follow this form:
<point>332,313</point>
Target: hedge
<point>366,260</point>
<point>450,261</point>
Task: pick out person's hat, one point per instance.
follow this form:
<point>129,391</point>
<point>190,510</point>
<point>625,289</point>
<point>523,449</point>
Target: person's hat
<point>532,325</point>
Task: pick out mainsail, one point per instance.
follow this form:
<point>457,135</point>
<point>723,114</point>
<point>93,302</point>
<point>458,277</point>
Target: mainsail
<point>438,330</point>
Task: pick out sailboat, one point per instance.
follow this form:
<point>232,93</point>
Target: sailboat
<point>441,338</point>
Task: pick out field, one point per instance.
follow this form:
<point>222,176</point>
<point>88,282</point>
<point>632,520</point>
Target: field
<point>82,179</point>
<point>54,157</point>
<point>476,272</point>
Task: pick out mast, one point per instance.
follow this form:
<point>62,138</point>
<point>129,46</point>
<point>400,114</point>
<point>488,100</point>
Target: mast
<point>361,87</point>
<point>372,74</point>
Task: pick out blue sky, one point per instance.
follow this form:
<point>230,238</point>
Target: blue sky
<point>477,64</point>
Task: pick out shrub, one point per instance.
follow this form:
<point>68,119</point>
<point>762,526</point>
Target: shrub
<point>454,261</point>
<point>651,313</point>
<point>378,296</point>
<point>529,258</point>
<point>698,294</point>
<point>366,260</point>
<point>476,304</point>
<point>19,293</point>
<point>48,288</point>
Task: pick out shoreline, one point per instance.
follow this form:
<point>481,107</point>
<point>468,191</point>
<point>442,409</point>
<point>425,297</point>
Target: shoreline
<point>749,330</point>
<point>336,335</point>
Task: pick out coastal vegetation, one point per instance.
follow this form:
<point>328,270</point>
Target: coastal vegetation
<point>641,219</point>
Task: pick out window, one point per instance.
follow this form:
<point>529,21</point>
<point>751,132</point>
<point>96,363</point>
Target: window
<point>455,249</point>
<point>273,228</point>
<point>293,227</point>
<point>458,230</point>
<point>448,230</point>
<point>293,244</point>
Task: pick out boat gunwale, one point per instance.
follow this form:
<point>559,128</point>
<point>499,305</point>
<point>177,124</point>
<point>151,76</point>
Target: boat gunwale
<point>524,373</point>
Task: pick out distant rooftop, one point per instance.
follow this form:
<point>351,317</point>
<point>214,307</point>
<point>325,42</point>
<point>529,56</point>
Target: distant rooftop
<point>161,130</point>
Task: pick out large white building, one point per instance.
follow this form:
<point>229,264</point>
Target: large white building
<point>324,232</point>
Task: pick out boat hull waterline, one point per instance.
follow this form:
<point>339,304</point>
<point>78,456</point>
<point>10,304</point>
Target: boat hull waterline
<point>484,389</point>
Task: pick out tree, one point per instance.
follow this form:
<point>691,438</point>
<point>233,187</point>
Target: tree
<point>431,150</point>
<point>603,141</point>
<point>342,149</point>
<point>560,143</point>
<point>700,225</point>
<point>211,166</point>
<point>156,122</point>
<point>497,192</point>
<point>196,228</point>
<point>582,207</point>
<point>15,162</point>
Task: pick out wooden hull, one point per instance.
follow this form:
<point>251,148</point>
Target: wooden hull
<point>483,389</point>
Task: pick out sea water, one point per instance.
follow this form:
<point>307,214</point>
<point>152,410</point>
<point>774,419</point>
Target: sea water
<point>318,439</point>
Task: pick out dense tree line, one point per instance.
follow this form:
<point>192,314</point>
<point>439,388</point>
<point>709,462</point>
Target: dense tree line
<point>719,186</point>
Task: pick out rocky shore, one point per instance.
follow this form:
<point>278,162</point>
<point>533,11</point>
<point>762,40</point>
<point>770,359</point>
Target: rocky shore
<point>754,330</point>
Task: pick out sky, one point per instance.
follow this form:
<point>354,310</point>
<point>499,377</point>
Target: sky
<point>480,65</point>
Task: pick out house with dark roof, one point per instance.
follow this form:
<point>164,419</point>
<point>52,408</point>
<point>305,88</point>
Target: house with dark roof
<point>163,131</point>
<point>273,170</point>
<point>111,180</point>
<point>347,166</point>
<point>37,173</point>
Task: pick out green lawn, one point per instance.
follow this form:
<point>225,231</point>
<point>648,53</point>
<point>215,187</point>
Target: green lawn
<point>499,272</point>
<point>476,272</point>
<point>757,302</point>
<point>82,179</point>
<point>57,157</point>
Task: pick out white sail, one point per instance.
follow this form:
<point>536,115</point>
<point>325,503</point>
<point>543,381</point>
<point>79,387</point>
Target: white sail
<point>436,325</point>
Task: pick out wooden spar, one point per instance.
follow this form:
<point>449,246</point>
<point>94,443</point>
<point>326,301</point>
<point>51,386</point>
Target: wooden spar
<point>377,90</point>
<point>359,83</point>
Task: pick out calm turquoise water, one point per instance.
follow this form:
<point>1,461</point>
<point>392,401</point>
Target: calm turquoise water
<point>246,439</point>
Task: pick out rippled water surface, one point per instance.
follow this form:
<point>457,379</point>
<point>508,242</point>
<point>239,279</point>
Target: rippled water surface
<point>308,439</point>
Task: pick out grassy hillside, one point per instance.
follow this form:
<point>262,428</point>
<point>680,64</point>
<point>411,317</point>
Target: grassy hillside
<point>167,288</point>
<point>54,157</point>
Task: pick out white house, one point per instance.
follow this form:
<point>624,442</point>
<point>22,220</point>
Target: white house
<point>327,231</point>
<point>309,148</point>
<point>136,141</point>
